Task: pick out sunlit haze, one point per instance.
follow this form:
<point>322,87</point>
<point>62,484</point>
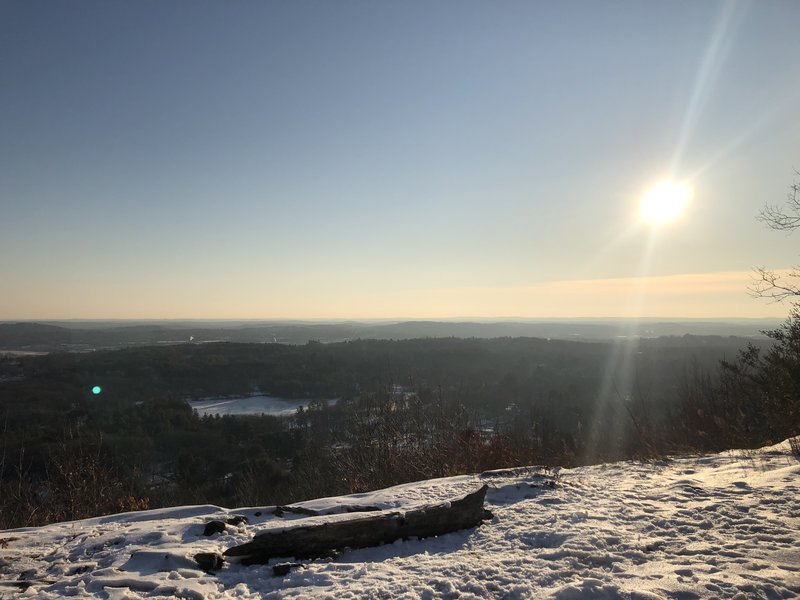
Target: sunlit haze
<point>264,160</point>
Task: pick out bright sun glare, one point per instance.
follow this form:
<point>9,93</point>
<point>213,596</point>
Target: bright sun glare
<point>664,202</point>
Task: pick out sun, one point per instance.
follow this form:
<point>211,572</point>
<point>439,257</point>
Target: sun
<point>664,202</point>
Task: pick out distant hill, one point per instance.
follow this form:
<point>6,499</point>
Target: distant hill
<point>17,335</point>
<point>89,335</point>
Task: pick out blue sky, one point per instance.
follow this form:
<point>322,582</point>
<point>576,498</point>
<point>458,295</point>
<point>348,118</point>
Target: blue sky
<point>375,159</point>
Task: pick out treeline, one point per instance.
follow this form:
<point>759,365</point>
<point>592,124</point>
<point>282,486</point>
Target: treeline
<point>408,410</point>
<point>749,401</point>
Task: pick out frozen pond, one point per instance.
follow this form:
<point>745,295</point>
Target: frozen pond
<point>250,405</point>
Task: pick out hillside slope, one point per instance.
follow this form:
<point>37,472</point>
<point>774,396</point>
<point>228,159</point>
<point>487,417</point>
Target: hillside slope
<point>717,526</point>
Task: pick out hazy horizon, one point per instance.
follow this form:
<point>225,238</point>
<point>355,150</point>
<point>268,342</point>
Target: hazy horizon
<point>411,160</point>
<point>625,298</point>
<point>393,320</point>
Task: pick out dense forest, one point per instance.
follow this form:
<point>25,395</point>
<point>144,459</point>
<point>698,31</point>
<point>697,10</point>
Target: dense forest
<point>406,410</point>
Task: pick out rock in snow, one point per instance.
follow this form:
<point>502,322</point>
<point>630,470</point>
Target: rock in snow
<point>716,526</point>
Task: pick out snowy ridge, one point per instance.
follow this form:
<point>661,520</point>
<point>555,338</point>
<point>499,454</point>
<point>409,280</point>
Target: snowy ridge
<point>715,526</point>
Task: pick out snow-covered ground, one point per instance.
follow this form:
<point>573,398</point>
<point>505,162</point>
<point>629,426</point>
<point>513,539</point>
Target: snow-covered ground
<point>718,526</point>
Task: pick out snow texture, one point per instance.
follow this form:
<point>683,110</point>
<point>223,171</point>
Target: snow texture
<point>717,526</point>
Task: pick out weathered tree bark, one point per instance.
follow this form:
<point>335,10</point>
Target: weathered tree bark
<point>313,541</point>
<point>310,512</point>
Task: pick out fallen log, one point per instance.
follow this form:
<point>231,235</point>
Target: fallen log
<point>325,539</point>
<point>310,512</point>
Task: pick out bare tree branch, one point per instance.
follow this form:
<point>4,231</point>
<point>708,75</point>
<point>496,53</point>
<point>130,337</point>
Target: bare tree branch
<point>767,283</point>
<point>784,218</point>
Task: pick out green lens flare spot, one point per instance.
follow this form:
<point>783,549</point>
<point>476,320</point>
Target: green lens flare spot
<point>96,390</point>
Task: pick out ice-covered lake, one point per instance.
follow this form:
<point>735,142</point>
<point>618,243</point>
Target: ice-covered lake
<point>250,405</point>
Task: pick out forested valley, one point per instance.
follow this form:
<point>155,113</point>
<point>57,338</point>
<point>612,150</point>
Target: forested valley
<point>406,410</point>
